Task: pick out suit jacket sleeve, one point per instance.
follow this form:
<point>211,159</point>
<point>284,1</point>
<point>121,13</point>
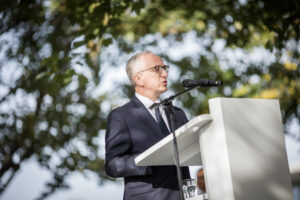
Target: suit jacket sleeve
<point>119,161</point>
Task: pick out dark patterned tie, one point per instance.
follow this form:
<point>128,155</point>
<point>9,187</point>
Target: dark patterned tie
<point>161,122</point>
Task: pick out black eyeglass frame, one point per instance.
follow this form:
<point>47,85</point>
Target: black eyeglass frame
<point>158,68</point>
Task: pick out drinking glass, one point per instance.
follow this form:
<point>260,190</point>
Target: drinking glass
<point>189,188</point>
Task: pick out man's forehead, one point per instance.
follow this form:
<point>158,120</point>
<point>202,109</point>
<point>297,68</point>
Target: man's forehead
<point>146,61</point>
<point>149,58</point>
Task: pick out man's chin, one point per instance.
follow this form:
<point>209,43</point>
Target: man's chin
<point>163,90</point>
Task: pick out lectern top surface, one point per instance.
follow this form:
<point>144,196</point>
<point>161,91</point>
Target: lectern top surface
<point>161,153</point>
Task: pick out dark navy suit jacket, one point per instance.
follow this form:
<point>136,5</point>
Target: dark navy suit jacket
<point>131,130</point>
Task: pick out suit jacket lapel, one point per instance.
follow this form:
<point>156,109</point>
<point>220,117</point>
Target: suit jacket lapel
<point>176,123</point>
<point>168,118</point>
<point>143,114</point>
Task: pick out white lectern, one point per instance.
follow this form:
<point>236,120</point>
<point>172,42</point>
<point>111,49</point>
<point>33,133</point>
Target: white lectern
<point>240,145</point>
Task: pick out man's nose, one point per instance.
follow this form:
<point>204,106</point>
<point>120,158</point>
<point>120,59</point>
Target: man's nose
<point>164,73</point>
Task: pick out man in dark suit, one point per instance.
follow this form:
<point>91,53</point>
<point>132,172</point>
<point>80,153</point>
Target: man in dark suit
<point>134,127</point>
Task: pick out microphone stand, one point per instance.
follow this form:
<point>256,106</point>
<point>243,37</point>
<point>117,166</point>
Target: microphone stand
<point>168,104</point>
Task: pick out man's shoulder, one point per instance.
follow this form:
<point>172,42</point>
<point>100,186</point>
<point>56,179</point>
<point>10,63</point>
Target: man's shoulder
<point>177,109</point>
<point>123,108</point>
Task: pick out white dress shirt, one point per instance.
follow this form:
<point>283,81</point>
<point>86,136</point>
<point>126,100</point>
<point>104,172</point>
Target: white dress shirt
<point>148,102</point>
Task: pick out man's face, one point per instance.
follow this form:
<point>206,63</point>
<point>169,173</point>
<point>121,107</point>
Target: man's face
<point>152,81</point>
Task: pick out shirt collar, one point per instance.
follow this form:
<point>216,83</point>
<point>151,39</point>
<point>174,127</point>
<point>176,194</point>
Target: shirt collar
<point>145,100</point>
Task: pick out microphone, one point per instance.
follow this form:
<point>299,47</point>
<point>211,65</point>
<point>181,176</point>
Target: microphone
<point>188,83</point>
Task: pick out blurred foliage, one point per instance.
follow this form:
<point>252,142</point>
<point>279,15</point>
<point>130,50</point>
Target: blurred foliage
<point>241,24</point>
<point>47,110</point>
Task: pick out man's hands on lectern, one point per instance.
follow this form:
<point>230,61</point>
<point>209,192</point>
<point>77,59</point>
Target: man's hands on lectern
<point>200,180</point>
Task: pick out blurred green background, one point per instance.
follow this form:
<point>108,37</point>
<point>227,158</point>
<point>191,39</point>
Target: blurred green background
<point>55,57</point>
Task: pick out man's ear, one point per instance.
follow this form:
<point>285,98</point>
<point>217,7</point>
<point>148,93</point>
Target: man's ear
<point>138,79</point>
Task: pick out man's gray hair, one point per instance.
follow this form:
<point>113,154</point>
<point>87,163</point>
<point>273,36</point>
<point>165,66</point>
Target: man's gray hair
<point>132,65</point>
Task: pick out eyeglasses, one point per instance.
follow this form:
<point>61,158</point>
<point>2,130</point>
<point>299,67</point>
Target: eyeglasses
<point>158,68</point>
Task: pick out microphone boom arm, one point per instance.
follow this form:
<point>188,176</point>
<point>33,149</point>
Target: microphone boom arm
<point>169,100</point>
<point>168,104</point>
